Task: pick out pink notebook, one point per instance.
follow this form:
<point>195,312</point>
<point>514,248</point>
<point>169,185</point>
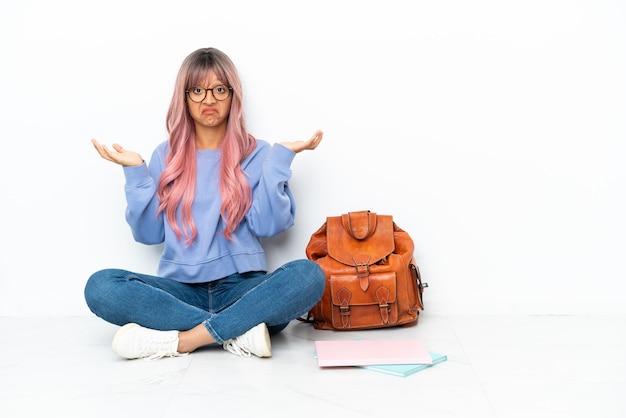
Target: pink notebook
<point>368,352</point>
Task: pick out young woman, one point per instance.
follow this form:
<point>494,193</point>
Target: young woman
<point>209,194</point>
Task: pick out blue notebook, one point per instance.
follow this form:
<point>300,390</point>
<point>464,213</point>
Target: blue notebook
<point>404,370</point>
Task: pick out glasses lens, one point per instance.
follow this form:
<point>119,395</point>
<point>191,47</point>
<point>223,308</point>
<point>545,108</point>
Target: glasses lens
<point>196,94</point>
<point>221,92</point>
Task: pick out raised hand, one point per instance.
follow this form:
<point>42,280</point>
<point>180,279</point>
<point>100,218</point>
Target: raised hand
<point>118,154</point>
<point>309,144</point>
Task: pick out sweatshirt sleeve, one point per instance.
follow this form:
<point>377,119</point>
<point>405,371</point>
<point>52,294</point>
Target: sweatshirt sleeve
<point>273,206</point>
<point>142,201</point>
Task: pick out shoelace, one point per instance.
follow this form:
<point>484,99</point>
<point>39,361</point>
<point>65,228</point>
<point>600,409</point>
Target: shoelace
<point>161,354</point>
<point>159,347</point>
<point>234,348</point>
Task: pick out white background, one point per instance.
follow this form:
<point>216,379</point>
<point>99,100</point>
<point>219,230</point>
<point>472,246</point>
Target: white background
<point>493,131</point>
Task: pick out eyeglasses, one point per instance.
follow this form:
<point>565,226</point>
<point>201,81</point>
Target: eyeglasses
<point>198,94</point>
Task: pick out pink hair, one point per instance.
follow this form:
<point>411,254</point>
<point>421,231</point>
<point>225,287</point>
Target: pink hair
<point>178,181</point>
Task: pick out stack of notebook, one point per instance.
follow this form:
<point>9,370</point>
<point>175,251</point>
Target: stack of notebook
<point>396,357</point>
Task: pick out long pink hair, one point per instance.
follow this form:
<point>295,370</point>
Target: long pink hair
<point>178,180</point>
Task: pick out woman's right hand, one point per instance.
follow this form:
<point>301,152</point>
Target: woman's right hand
<point>118,155</point>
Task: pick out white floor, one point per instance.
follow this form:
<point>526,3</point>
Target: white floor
<point>505,367</point>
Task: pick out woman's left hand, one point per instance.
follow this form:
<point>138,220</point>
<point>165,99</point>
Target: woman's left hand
<point>309,144</point>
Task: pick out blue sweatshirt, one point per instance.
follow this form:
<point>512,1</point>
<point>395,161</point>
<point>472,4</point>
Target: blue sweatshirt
<point>212,256</point>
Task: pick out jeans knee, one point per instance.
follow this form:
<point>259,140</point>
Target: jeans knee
<point>313,274</point>
<point>320,280</point>
<point>96,287</point>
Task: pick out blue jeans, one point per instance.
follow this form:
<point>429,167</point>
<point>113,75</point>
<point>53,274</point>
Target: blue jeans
<point>227,307</point>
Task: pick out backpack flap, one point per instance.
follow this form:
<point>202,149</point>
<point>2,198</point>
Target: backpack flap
<point>360,239</point>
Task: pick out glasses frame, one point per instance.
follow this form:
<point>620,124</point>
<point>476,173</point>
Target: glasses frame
<point>206,91</point>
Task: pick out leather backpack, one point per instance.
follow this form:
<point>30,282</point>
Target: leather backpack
<point>372,279</point>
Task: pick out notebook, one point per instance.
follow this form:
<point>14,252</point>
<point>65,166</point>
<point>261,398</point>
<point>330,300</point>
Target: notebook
<point>370,352</point>
<point>404,370</point>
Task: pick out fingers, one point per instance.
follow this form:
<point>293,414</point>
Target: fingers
<point>317,136</point>
<point>97,146</point>
<point>101,150</point>
<point>315,140</point>
<point>105,152</point>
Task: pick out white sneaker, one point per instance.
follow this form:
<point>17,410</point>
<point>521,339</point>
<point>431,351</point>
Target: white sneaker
<point>134,341</point>
<point>255,341</point>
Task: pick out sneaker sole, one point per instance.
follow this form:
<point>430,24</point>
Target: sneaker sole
<point>266,350</point>
<point>118,335</point>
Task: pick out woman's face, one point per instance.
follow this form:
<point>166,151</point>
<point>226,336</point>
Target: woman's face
<point>203,104</point>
